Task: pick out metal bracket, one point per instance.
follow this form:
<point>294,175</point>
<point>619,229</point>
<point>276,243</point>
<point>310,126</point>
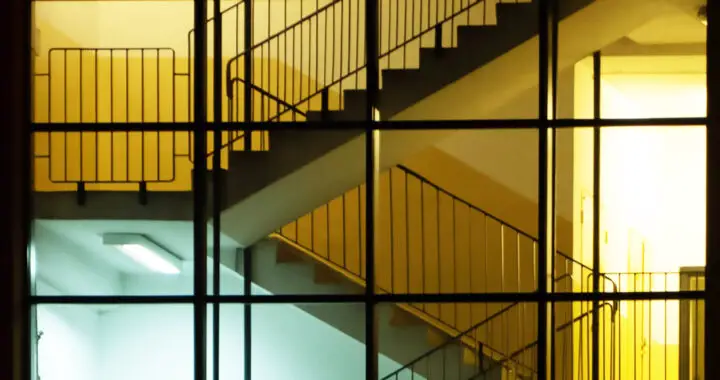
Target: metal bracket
<point>81,194</point>
<point>142,193</point>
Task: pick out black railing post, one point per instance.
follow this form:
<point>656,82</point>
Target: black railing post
<point>142,193</point>
<point>81,193</point>
<point>596,217</point>
<point>325,103</point>
<point>438,38</point>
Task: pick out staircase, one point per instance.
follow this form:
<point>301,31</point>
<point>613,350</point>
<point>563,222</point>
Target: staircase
<point>424,51</point>
<point>323,253</point>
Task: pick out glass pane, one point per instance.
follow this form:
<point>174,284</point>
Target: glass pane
<point>638,339</point>
<point>113,205</point>
<point>653,198</point>
<point>84,342</point>
<point>83,250</point>
<point>499,342</point>
<point>312,341</point>
<point>434,53</point>
<point>322,249</point>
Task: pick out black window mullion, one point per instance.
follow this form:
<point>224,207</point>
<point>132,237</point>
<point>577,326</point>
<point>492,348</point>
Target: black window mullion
<point>217,185</point>
<point>200,190</point>
<point>544,20</point>
<point>371,171</point>
<point>712,249</point>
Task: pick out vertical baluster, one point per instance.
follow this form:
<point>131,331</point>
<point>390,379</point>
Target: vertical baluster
<point>157,115</point>
<point>127,113</point>
<point>454,259</point>
<point>142,117</point>
<point>342,53</point>
<point>407,235</point>
<point>439,247</point>
<point>96,133</point>
<point>485,276</point>
<point>327,224</point>
<point>392,234</point>
<point>81,134</point>
<point>521,325</point>
<point>360,230</point>
<point>423,276</point>
<point>292,71</point>
<point>317,46</point>
<point>112,114</point>
<point>504,319</point>
<point>312,230</point>
<point>471,269</point>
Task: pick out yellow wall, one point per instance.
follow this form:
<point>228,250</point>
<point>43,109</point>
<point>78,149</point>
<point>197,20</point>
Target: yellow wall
<point>653,198</point>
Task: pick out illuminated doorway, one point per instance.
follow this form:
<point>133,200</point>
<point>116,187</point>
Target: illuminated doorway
<point>653,194</point>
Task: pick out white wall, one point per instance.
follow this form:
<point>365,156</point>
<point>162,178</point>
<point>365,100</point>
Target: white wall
<point>156,341</point>
<point>68,347</point>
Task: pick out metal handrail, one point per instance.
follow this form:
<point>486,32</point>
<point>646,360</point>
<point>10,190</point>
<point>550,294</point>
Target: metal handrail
<point>89,57</point>
<point>567,325</point>
<point>453,340</point>
<point>433,193</point>
<point>264,93</point>
<point>497,219</point>
<point>272,37</point>
<point>425,27</point>
<point>506,358</point>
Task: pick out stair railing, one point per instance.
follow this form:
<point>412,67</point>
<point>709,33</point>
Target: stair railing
<point>325,49</point>
<point>430,241</point>
<point>484,357</point>
<point>578,358</point>
<point>108,85</point>
<point>519,360</point>
<point>114,85</point>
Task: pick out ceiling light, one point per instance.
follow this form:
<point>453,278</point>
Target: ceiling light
<point>145,252</point>
<point>702,15</point>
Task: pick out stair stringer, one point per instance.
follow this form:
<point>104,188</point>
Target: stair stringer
<point>275,271</point>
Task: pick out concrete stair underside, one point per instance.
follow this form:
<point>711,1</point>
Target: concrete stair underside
<point>404,334</point>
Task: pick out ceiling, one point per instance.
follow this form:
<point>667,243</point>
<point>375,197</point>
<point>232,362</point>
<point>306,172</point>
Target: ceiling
<point>675,28</point>
<point>60,242</point>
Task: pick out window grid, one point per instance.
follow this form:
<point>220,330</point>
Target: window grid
<point>546,122</point>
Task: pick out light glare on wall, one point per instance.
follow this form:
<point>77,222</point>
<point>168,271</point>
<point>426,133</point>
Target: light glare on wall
<point>146,253</point>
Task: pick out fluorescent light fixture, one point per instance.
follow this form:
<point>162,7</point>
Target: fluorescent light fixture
<point>145,252</point>
<point>702,15</point>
